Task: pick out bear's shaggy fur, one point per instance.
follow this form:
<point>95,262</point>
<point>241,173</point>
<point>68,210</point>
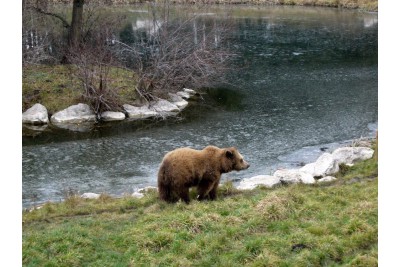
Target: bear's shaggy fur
<point>183,168</point>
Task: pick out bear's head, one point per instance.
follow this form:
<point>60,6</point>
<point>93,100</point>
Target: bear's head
<point>233,160</point>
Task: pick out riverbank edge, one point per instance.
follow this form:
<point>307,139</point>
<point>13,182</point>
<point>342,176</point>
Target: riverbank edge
<point>322,224</point>
<point>331,178</point>
<point>364,5</point>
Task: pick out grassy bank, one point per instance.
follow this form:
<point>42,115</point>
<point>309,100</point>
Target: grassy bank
<point>55,86</point>
<point>298,225</point>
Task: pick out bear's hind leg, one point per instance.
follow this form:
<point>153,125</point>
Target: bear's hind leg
<point>184,194</point>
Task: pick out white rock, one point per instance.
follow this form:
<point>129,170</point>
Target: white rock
<point>294,176</point>
<point>178,101</point>
<point>327,179</point>
<point>74,114</point>
<point>37,114</point>
<point>188,94</point>
<point>349,155</point>
<point>137,195</point>
<point>253,182</point>
<point>147,189</point>
<point>137,113</point>
<point>189,91</point>
<point>184,95</point>
<point>174,97</point>
<point>181,104</point>
<point>90,195</point>
<point>309,168</point>
<point>164,107</point>
<point>325,165</point>
<point>112,116</point>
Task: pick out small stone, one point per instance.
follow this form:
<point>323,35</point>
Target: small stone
<point>90,195</point>
<point>137,195</point>
<point>327,179</point>
<point>147,189</point>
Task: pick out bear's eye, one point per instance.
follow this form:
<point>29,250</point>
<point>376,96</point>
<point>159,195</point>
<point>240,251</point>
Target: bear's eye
<point>241,160</point>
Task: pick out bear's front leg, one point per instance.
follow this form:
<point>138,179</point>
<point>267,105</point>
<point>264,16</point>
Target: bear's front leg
<point>204,188</point>
<point>213,191</point>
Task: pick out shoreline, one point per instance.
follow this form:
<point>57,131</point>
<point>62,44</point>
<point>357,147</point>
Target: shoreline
<point>139,192</point>
<point>365,5</point>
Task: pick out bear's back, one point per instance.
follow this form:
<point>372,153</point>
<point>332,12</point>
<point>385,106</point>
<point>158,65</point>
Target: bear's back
<point>188,160</point>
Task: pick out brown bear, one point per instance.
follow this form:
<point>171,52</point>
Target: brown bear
<point>183,168</point>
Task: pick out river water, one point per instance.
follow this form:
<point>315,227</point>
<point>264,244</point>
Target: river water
<point>306,80</point>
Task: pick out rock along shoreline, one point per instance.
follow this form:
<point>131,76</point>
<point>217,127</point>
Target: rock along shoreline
<point>320,171</point>
<point>81,118</point>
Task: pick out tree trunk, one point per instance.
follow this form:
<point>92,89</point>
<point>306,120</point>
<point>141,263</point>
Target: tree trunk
<point>76,23</point>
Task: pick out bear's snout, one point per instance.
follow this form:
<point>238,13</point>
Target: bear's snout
<point>242,166</point>
<point>246,165</point>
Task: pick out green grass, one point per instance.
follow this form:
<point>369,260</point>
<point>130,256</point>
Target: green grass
<point>55,86</point>
<point>297,225</point>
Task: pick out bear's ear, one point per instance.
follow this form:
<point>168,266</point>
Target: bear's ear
<point>229,154</point>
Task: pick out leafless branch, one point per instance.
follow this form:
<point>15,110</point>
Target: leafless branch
<point>41,11</point>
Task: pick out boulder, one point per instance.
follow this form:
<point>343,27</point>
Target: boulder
<point>327,179</point>
<point>178,101</point>
<point>37,114</point>
<point>164,107</point>
<point>294,176</point>
<point>137,113</point>
<point>325,165</point>
<point>74,114</point>
<point>90,195</point>
<point>349,155</point>
<point>253,182</point>
<point>309,168</point>
<point>112,116</point>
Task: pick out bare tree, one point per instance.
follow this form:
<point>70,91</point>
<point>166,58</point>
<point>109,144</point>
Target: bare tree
<point>74,27</point>
<point>76,23</point>
<point>92,61</point>
<point>176,52</point>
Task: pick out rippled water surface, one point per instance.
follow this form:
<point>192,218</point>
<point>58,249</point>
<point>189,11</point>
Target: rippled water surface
<point>305,79</point>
